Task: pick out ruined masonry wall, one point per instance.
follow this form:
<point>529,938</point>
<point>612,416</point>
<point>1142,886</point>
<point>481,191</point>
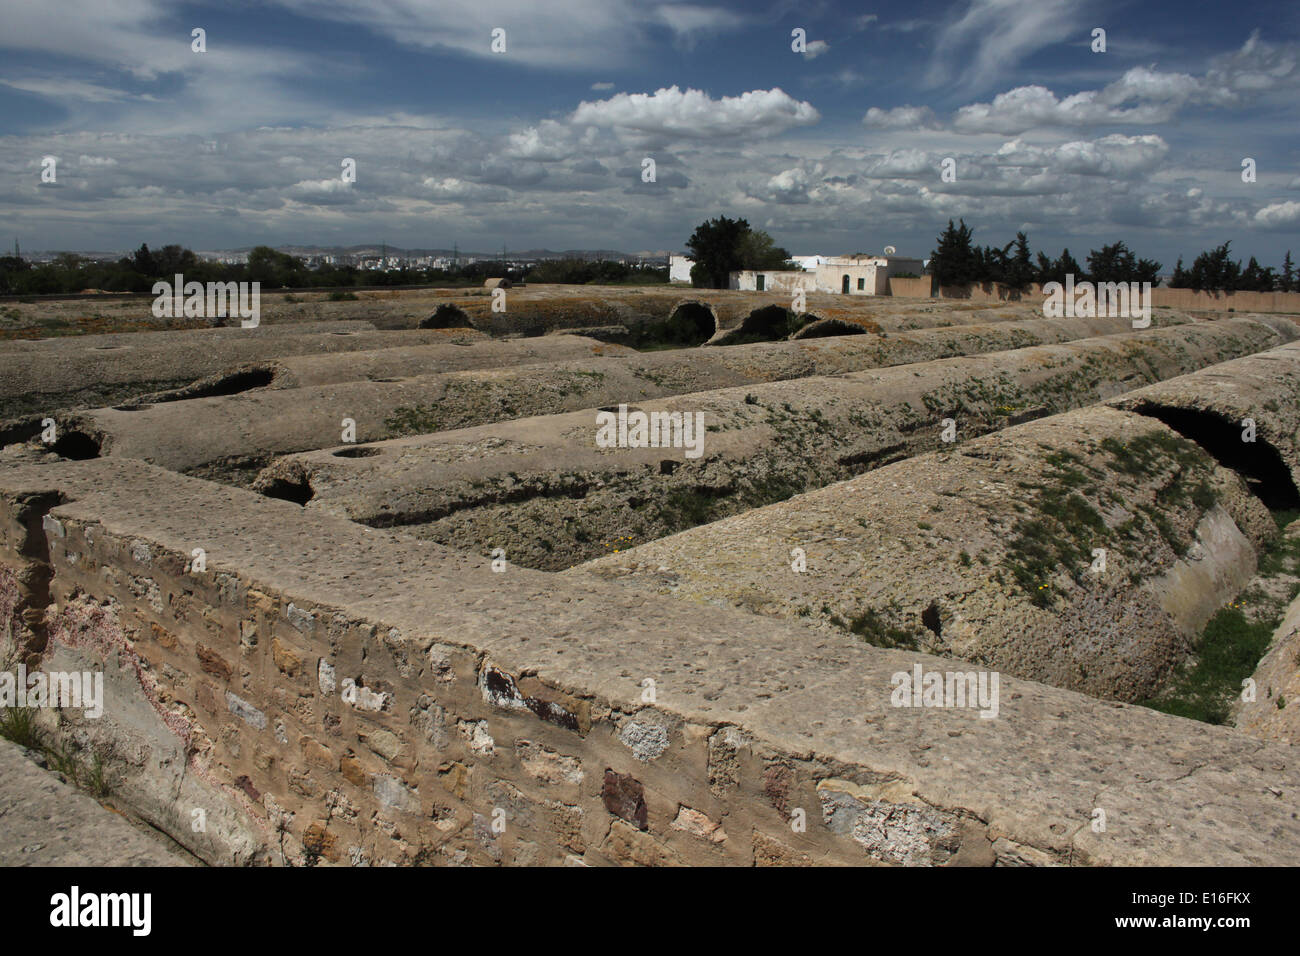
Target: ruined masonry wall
<point>346,744</point>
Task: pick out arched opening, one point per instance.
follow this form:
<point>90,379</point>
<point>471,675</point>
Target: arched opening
<point>825,328</point>
<point>70,443</point>
<point>690,324</point>
<point>771,323</point>
<point>1258,463</point>
<point>230,383</point>
<point>844,286</point>
<point>289,484</point>
<point>76,446</point>
<point>446,316</point>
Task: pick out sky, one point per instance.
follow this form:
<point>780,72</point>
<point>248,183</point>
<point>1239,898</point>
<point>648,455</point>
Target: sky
<point>838,146</point>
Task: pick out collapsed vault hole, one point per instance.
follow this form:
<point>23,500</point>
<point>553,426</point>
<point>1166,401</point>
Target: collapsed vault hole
<point>69,442</point>
<point>228,383</point>
<point>446,317</point>
<point>1258,463</point>
<point>361,451</point>
<point>930,618</point>
<point>826,328</point>
<point>771,323</point>
<point>294,487</point>
<point>76,446</point>
<point>690,324</point>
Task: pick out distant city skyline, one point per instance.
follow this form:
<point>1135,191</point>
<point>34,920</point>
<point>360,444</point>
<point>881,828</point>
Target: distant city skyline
<point>837,147</point>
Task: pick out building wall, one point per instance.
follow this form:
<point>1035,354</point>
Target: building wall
<point>679,268</point>
<point>830,278</point>
<point>774,280</point>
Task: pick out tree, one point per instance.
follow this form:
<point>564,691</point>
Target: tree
<point>1117,263</point>
<point>1181,279</point>
<point>1064,265</point>
<point>1019,267</point>
<point>275,269</point>
<point>1287,281</point>
<point>759,251</point>
<point>13,273</point>
<point>1214,270</point>
<point>715,245</point>
<point>143,262</point>
<point>954,262</point>
<point>1256,278</point>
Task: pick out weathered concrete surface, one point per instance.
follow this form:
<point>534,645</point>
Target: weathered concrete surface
<point>521,696</point>
<point>1264,388</point>
<point>127,383</point>
<point>541,488</point>
<point>48,822</point>
<point>388,393</point>
<point>468,351</point>
<point>986,552</point>
<point>1272,715</point>
<point>86,371</point>
<point>531,310</point>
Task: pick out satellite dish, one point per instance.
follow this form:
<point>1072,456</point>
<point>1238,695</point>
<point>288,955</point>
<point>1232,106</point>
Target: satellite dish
<point>890,250</point>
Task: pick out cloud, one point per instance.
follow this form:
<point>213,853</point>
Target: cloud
<point>1279,215</point>
<point>677,114</point>
<point>1113,155</point>
<point>901,117</point>
<point>458,190</point>
<point>1141,96</point>
<point>690,22</point>
<point>327,192</point>
<point>864,21</point>
<point>815,48</point>
<point>993,36</point>
<point>602,86</point>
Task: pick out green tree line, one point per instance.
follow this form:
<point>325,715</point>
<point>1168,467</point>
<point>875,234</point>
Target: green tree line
<point>957,261</point>
<point>69,273</point>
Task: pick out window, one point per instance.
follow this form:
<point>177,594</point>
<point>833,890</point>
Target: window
<point>862,283</point>
<point>761,282</point>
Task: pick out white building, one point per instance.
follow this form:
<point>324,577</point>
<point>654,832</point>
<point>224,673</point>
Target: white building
<point>863,275</point>
<point>838,275</point>
<point>772,280</point>
<point>679,268</point>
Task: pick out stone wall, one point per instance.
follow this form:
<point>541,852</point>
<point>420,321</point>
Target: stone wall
<point>330,704</point>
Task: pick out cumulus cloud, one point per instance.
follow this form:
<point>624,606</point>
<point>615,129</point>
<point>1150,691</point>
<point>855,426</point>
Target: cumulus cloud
<point>1113,155</point>
<point>1279,215</point>
<point>674,113</point>
<point>901,117</point>
<point>1141,96</point>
